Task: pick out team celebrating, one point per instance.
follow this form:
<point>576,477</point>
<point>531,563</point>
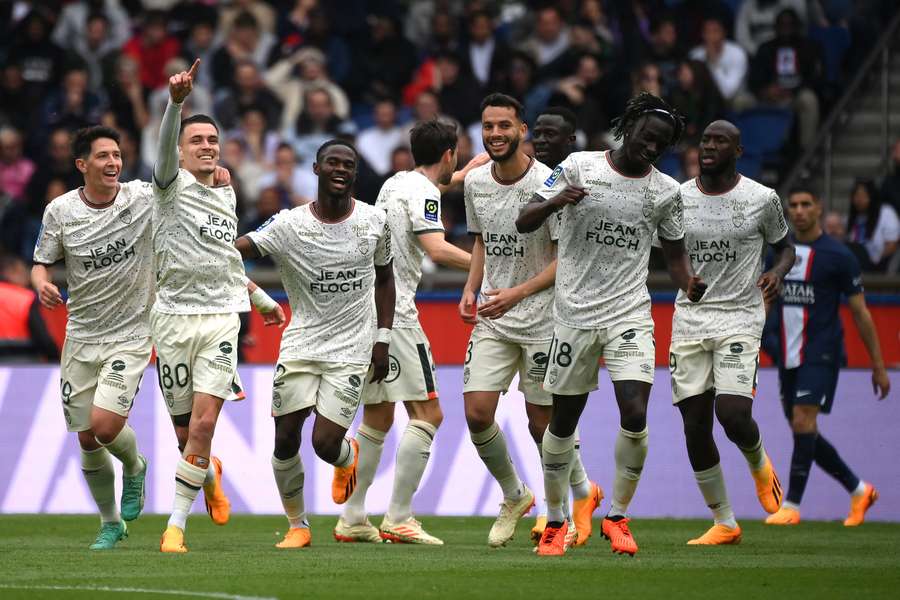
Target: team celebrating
<point>557,280</point>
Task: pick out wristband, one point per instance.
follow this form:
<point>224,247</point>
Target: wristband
<point>262,301</point>
<point>384,336</point>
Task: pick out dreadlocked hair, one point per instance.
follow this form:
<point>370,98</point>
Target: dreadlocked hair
<point>643,104</point>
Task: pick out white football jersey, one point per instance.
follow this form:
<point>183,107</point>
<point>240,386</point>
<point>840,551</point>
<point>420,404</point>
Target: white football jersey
<point>109,267</point>
<point>328,271</point>
<point>605,239</point>
<point>198,269</point>
<point>510,257</point>
<point>413,206</point>
<point>726,237</point>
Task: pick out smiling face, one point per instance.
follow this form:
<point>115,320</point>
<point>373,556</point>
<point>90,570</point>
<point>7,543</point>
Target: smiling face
<point>720,147</point>
<point>501,132</point>
<point>102,166</point>
<point>551,138</point>
<point>336,169</point>
<point>648,139</point>
<point>200,148</point>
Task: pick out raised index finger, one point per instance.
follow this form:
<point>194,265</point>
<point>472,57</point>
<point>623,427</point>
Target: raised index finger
<point>193,72</point>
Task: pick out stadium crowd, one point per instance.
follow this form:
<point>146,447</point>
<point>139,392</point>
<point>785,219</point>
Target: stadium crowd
<point>281,77</point>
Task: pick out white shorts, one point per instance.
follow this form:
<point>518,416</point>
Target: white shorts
<point>628,350</point>
<point>334,389</point>
<point>103,375</point>
<point>196,354</point>
<point>491,364</point>
<point>411,371</point>
<point>727,364</point>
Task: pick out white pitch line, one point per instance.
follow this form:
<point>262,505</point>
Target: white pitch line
<point>130,590</point>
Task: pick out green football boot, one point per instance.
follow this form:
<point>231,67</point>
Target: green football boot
<point>109,535</point>
<point>133,493</point>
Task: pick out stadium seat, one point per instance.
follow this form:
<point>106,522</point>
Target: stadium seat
<point>750,165</point>
<point>670,164</point>
<point>764,131</point>
<point>835,42</point>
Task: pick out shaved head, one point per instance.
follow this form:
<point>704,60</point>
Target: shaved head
<point>720,147</point>
<point>726,128</point>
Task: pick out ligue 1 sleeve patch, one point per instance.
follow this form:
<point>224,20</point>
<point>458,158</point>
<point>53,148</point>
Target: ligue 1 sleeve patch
<point>553,176</point>
<point>266,223</point>
<point>431,210</point>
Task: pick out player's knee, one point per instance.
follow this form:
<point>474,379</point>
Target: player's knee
<point>734,420</point>
<point>695,429</point>
<point>803,423</point>
<point>87,440</point>
<point>327,445</point>
<point>633,417</point>
<point>478,418</point>
<point>287,444</point>
<point>105,430</point>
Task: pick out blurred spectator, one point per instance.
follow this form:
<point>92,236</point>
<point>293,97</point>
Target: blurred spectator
<point>262,12</point>
<point>247,90</point>
<point>594,16</point>
<point>521,83</point>
<point>873,227</point>
<point>664,50</point>
<point>23,333</point>
<point>401,160</point>
<point>152,49</point>
<point>444,34</point>
<point>313,30</point>
<point>487,56</point>
<point>376,143</point>
<point>15,103</point>
<point>15,169</point>
<point>132,166</point>
<point>456,88</point>
<point>72,105</point>
<point>245,174</point>
<point>245,42</point>
<point>785,73</point>
<point>697,98</point>
<point>21,223</point>
<point>55,162</point>
<point>316,124</point>
<point>200,43</point>
<point>428,106</point>
<point>40,59</point>
<point>586,93</point>
<point>835,225</point>
<point>726,60</point>
<point>73,27</point>
<point>384,63</point>
<point>295,184</point>
<point>647,78</point>
<point>890,187</point>
<point>267,206</point>
<point>549,41</point>
<point>690,163</point>
<point>126,97</point>
<point>97,47</point>
<point>309,63</point>
<point>755,22</point>
<point>260,142</point>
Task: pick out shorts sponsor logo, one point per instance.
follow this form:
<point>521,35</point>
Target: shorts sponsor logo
<point>170,399</point>
<point>646,368</point>
<point>736,348</point>
<point>118,365</point>
<point>431,210</point>
<point>68,416</point>
<point>732,361</point>
<point>629,348</point>
<point>123,401</point>
<point>225,348</point>
<point>276,400</point>
<point>553,177</point>
<point>629,335</point>
<point>393,369</point>
<point>114,380</point>
<point>552,375</point>
<point>539,369</point>
<point>743,379</point>
<point>349,396</point>
<point>346,413</point>
<point>354,380</point>
<point>466,373</point>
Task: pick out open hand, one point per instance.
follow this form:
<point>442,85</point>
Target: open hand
<point>467,307</point>
<point>770,284</point>
<point>499,302</point>
<point>49,295</point>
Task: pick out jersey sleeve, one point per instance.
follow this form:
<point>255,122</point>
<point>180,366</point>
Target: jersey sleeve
<point>269,237</point>
<point>566,173</point>
<point>472,224</point>
<point>383,253</point>
<point>774,225</point>
<point>425,213</point>
<point>168,193</point>
<point>671,222</point>
<point>49,246</point>
<point>849,275</point>
<point>553,224</point>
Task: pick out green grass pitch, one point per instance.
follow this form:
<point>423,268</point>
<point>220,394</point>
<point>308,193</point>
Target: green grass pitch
<point>47,556</point>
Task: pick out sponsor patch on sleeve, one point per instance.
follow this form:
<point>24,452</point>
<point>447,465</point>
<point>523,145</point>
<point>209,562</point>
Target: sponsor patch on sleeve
<point>553,177</point>
<point>266,223</point>
<point>431,210</point>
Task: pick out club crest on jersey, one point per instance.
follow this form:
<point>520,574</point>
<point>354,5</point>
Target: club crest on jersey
<point>647,203</point>
<point>553,177</point>
<point>362,242</point>
<point>125,216</point>
<point>737,215</point>
<point>431,210</point>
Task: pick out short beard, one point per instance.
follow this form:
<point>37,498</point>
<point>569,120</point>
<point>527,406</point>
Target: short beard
<point>513,147</point>
<point>716,170</point>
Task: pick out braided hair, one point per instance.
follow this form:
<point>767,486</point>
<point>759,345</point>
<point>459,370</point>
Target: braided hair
<point>643,104</point>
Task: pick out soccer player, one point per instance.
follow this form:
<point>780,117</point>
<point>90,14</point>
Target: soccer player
<point>513,275</point>
<point>553,137</point>
<point>102,232</point>
<point>612,203</point>
<point>808,347</point>
<point>333,254</point>
<point>729,219</point>
<point>201,288</point>
<point>411,201</point>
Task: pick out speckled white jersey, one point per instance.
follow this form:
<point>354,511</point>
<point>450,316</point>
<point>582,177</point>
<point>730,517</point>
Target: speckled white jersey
<point>726,236</point>
<point>328,271</point>
<point>198,269</point>
<point>604,240</point>
<point>109,269</point>
<point>413,206</point>
<point>510,257</point>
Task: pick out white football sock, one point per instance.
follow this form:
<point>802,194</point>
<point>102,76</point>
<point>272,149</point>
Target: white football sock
<point>578,478</point>
<point>345,456</point>
<point>557,461</point>
<point>97,467</point>
<point>756,456</point>
<point>289,480</point>
<point>540,502</point>
<point>712,485</point>
<point>124,447</point>
<point>371,443</point>
<point>631,450</point>
<point>860,489</point>
<point>491,447</point>
<point>188,481</point>
<point>412,458</point>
